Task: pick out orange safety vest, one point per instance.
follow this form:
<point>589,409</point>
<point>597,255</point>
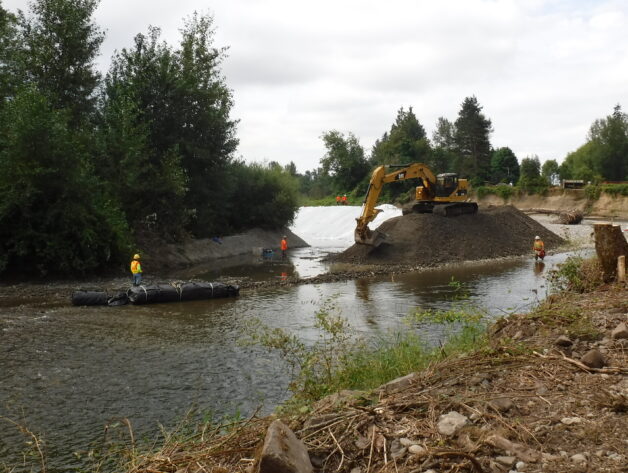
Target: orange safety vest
<point>136,267</point>
<point>337,198</point>
<point>538,245</point>
<point>344,198</point>
<point>284,245</point>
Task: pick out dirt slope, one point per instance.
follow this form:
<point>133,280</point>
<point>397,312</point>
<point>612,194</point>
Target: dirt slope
<point>429,239</point>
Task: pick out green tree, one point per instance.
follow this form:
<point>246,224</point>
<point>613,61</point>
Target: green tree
<point>472,137</point>
<point>405,143</point>
<point>8,51</point>
<point>581,164</point>
<point>140,156</point>
<point>267,197</point>
<point>54,216</point>
<point>344,160</point>
<point>504,166</point>
<point>530,174</point>
<point>549,171</point>
<point>201,124</point>
<point>610,139</point>
<point>59,45</point>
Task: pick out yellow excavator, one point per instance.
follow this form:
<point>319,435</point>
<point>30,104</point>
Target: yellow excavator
<point>445,194</point>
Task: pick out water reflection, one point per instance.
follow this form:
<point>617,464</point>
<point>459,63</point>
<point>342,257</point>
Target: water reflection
<point>539,266</point>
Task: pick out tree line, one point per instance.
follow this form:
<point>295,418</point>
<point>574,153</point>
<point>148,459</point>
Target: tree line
<point>463,146</point>
<point>91,165</point>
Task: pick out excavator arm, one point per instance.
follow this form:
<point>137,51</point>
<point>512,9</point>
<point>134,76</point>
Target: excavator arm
<point>379,177</point>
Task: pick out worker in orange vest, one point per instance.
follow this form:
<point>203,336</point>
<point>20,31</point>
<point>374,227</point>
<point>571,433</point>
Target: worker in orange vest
<point>539,248</point>
<point>136,270</point>
<point>284,246</point>
<point>337,200</point>
<point>344,199</point>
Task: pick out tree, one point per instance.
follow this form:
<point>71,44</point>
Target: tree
<point>405,143</point>
<point>54,215</point>
<point>549,171</point>
<point>8,51</point>
<point>581,164</point>
<point>530,174</point>
<point>344,160</point>
<point>610,139</point>
<point>444,135</point>
<point>504,166</point>
<point>472,131</point>
<point>59,45</point>
<point>201,124</point>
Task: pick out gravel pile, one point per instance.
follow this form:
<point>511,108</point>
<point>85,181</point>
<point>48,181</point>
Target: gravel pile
<point>430,239</point>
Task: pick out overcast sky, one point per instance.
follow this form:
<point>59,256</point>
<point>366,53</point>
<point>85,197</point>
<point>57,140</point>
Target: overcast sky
<point>542,70</point>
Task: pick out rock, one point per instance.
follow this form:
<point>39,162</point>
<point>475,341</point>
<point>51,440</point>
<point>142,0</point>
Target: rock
<point>520,466</point>
<point>501,404</point>
<point>283,452</point>
<point>396,449</point>
<point>416,450</point>
<point>449,424</point>
<point>407,442</point>
<point>506,461</point>
<point>520,451</point>
<point>478,378</point>
<point>578,458</point>
<point>571,420</point>
<point>593,359</point>
<point>357,469</point>
<point>621,331</point>
<point>398,384</point>
<point>563,341</point>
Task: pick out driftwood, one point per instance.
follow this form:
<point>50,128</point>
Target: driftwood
<point>610,244</point>
<point>566,217</point>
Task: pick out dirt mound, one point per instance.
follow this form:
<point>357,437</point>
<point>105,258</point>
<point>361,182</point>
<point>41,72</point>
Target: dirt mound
<point>430,239</point>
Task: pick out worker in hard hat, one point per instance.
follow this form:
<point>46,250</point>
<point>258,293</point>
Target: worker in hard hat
<point>344,199</point>
<point>539,248</point>
<point>136,270</point>
<point>284,246</point>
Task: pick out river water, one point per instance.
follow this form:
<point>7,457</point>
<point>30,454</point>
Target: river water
<point>67,372</point>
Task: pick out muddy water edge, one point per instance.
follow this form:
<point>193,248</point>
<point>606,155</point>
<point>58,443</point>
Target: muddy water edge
<point>68,372</point>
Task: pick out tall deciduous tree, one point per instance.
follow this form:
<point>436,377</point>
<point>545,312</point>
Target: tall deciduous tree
<point>609,137</point>
<point>504,166</point>
<point>8,51</point>
<point>60,43</point>
<point>549,171</point>
<point>344,160</point>
<point>472,138</point>
<point>54,216</point>
<point>530,174</point>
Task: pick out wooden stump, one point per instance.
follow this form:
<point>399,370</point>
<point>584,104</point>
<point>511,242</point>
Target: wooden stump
<point>610,243</point>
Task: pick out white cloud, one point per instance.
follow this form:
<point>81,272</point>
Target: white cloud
<point>543,70</point>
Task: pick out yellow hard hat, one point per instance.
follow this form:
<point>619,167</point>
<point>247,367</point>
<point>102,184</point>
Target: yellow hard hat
<point>136,256</point>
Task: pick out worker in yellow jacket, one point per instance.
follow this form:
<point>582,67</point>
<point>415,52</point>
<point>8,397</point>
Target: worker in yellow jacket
<point>136,270</point>
<point>539,248</point>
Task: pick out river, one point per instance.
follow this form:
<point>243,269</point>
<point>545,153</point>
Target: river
<point>67,372</point>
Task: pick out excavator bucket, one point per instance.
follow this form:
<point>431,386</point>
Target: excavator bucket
<point>372,238</point>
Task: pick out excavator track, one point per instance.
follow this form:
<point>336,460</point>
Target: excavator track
<point>455,209</point>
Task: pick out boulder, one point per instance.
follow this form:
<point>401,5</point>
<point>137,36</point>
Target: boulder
<point>593,359</point>
<point>283,452</point>
<point>621,331</point>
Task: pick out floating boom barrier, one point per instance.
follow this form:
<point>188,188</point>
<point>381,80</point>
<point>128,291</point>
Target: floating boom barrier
<point>156,293</point>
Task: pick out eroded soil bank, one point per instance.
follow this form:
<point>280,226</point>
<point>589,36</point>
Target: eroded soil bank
<point>548,393</point>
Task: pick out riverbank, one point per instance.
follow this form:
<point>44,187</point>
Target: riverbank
<point>545,391</point>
